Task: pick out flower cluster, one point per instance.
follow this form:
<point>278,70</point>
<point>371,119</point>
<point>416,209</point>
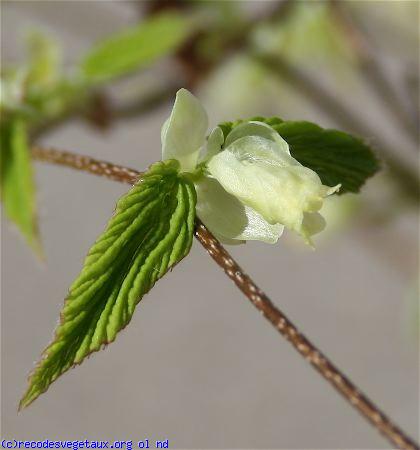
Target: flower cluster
<point>248,185</point>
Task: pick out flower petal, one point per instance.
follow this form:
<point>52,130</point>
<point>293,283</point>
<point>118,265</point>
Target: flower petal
<point>276,186</point>
<point>214,144</point>
<point>255,128</point>
<point>184,132</point>
<point>312,223</point>
<point>228,219</point>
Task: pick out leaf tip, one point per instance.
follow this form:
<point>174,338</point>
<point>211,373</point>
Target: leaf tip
<point>27,399</point>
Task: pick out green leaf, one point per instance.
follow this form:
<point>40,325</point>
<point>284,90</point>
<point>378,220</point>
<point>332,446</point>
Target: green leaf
<point>17,184</point>
<point>337,157</point>
<point>136,47</point>
<point>150,232</point>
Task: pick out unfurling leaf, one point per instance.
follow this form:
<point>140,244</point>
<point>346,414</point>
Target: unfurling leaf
<point>150,232</point>
<point>337,157</point>
<point>136,47</point>
<point>17,184</point>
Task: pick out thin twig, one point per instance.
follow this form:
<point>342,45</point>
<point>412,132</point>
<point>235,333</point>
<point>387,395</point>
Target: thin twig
<point>86,164</point>
<point>257,297</point>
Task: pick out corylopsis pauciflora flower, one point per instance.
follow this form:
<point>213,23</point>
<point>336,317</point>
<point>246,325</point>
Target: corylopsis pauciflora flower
<point>248,185</point>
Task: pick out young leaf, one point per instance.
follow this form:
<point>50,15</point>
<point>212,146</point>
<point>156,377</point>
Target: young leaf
<point>136,47</point>
<point>150,232</point>
<point>337,157</point>
<point>17,184</point>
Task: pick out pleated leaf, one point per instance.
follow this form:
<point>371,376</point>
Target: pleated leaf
<point>150,232</point>
<point>16,180</point>
<point>337,157</point>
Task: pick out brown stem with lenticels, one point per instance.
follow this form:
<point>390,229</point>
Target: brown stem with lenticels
<point>256,296</point>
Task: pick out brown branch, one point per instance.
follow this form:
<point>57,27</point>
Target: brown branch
<point>86,164</point>
<point>256,296</point>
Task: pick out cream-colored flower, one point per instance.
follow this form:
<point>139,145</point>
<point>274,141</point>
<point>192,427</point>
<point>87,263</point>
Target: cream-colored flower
<point>251,187</point>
